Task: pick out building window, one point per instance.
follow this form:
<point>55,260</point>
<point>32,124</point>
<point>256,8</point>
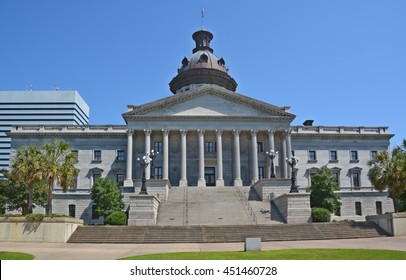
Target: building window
<point>72,210</point>
<point>120,179</point>
<point>356,180</point>
<point>312,156</point>
<point>260,172</point>
<point>120,155</point>
<point>333,156</point>
<point>358,209</point>
<point>210,147</point>
<point>97,155</point>
<point>378,206</point>
<point>373,155</point>
<point>157,173</point>
<point>75,182</point>
<point>336,178</point>
<point>96,175</point>
<point>158,147</point>
<point>354,156</point>
<point>260,147</point>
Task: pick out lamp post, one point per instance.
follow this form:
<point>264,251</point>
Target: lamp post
<point>144,164</point>
<point>292,161</point>
<point>152,156</point>
<point>272,155</point>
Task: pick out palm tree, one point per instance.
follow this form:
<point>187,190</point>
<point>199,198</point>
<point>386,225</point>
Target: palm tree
<point>389,172</point>
<point>58,167</point>
<point>26,166</point>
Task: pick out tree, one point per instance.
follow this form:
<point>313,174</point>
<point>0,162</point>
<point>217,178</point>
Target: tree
<point>322,193</point>
<point>26,167</point>
<point>388,171</point>
<point>107,197</point>
<point>14,194</point>
<point>58,167</point>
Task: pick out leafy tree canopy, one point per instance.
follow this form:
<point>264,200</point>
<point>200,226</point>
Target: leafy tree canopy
<point>322,193</point>
<point>107,197</point>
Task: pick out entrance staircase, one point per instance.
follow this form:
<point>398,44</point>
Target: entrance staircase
<point>235,233</point>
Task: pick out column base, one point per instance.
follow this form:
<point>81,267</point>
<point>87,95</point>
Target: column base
<point>238,183</point>
<point>183,183</point>
<point>128,183</point>
<point>219,183</point>
<point>201,183</point>
<point>254,181</point>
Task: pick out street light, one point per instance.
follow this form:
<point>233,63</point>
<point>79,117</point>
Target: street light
<point>152,156</point>
<point>292,163</point>
<point>272,155</point>
<point>144,162</point>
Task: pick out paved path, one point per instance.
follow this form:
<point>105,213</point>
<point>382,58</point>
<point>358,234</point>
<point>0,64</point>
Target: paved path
<point>74,251</point>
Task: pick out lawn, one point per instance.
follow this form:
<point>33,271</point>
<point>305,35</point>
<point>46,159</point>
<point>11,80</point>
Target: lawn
<point>291,254</point>
<point>15,256</point>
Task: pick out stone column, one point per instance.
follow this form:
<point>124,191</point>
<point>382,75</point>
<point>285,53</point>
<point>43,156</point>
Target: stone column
<point>219,180</point>
<point>202,181</point>
<point>271,138</point>
<point>254,151</point>
<point>147,151</point>
<point>183,171</point>
<point>165,161</point>
<point>288,152</point>
<point>237,159</point>
<point>129,171</point>
<point>284,156</point>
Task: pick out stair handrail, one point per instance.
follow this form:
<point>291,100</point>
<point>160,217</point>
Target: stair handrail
<point>246,202</point>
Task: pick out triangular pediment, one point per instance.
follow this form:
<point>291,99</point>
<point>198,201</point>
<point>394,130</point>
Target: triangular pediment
<point>209,101</point>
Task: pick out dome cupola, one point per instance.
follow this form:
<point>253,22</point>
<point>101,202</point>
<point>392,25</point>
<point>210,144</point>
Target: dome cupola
<point>202,67</point>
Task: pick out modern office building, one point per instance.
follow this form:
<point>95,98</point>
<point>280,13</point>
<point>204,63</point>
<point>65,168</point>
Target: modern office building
<point>209,136</point>
<point>38,107</point>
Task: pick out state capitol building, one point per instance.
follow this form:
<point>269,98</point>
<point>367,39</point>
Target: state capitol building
<point>209,136</point>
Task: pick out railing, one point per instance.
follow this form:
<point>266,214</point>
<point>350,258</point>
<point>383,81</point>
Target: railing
<point>247,204</point>
<point>339,129</point>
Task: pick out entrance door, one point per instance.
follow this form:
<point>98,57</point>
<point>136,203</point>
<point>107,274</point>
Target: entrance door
<point>210,176</point>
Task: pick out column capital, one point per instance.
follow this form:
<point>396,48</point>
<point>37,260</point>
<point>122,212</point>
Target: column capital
<point>201,131</point>
<point>236,132</point>
<point>183,132</point>
<point>165,131</point>
<point>254,132</point>
<point>287,132</point>
<point>130,131</point>
<point>147,132</point>
<point>219,131</point>
<point>271,131</point>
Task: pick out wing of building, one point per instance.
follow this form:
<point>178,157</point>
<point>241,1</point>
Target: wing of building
<point>208,135</point>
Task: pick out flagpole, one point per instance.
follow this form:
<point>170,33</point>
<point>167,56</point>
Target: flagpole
<point>202,15</point>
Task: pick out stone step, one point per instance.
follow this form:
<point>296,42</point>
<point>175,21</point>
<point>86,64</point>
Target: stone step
<point>234,233</point>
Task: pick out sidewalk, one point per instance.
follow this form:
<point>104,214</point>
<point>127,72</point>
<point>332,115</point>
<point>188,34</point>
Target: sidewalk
<point>75,251</point>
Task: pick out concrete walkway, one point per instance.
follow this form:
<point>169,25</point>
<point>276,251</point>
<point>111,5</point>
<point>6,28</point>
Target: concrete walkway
<point>67,251</point>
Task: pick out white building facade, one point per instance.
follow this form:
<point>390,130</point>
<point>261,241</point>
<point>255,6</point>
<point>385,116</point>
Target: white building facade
<point>208,135</point>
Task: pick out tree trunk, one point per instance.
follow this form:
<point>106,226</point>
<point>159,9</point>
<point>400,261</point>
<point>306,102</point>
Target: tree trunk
<point>395,201</point>
<point>30,200</point>
<point>49,203</point>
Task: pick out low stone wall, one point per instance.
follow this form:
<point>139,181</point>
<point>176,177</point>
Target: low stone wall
<point>159,188</point>
<point>54,230</point>
<point>393,223</point>
<point>294,207</point>
<point>267,189</point>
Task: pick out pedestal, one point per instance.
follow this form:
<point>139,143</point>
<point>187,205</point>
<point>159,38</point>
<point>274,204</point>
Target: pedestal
<point>143,210</point>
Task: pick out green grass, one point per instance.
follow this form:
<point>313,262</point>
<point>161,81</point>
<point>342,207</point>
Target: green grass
<point>292,254</point>
<point>15,256</point>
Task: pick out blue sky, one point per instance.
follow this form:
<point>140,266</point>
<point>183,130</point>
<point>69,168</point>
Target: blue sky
<point>339,62</point>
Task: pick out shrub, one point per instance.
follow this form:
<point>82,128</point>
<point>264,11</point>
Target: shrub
<point>116,218</point>
<point>320,215</point>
